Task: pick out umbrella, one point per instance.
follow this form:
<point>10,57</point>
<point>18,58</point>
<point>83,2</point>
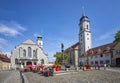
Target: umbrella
<point>29,66</point>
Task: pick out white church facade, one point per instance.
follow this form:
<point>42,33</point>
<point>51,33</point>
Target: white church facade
<point>82,51</point>
<point>28,53</point>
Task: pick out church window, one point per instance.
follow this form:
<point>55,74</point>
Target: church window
<point>87,38</point>
<point>29,52</point>
<point>80,27</point>
<point>34,53</point>
<point>24,53</point>
<point>16,61</point>
<point>87,34</point>
<point>87,26</point>
<point>42,61</point>
<point>20,51</point>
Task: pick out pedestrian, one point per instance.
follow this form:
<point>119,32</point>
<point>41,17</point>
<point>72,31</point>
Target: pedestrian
<point>83,68</point>
<point>104,66</point>
<point>95,66</point>
<point>98,66</point>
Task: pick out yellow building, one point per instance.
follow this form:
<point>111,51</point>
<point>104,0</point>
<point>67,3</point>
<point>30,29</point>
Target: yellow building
<point>4,62</point>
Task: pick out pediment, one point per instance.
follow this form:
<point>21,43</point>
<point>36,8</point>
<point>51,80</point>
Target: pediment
<point>28,41</point>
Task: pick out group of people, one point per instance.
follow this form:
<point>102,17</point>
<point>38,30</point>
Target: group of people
<point>100,66</point>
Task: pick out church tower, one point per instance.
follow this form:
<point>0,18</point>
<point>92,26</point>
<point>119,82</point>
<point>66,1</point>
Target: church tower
<point>39,40</point>
<point>84,34</point>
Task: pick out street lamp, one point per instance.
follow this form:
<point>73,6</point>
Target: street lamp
<point>62,50</point>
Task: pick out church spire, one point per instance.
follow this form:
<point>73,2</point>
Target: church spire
<point>83,11</point>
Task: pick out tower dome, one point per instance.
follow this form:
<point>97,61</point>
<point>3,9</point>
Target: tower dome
<point>39,36</point>
<point>84,18</point>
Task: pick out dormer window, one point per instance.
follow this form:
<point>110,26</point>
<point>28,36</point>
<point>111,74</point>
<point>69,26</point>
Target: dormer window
<point>108,48</point>
<point>99,50</point>
<point>91,52</point>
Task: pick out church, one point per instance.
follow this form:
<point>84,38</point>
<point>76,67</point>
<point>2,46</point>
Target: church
<point>82,51</point>
<point>28,53</point>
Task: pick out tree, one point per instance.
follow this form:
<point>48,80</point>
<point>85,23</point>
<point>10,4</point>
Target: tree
<point>59,58</point>
<point>88,60</point>
<point>117,36</point>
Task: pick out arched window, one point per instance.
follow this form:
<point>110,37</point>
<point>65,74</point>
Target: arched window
<point>42,61</point>
<point>24,53</point>
<point>87,26</point>
<point>20,52</point>
<point>29,52</point>
<point>16,61</point>
<point>34,53</point>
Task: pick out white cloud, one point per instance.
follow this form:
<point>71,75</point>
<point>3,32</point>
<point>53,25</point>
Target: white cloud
<point>3,44</point>
<point>108,34</point>
<point>35,34</point>
<point>11,29</point>
<point>7,53</point>
<point>3,41</point>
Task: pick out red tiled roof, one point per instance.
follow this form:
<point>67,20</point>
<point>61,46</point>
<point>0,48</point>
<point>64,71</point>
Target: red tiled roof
<point>4,58</point>
<point>72,47</point>
<point>101,49</point>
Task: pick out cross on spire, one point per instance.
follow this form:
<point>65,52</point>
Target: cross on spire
<point>83,11</point>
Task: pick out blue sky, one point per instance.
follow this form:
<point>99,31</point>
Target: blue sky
<point>57,21</point>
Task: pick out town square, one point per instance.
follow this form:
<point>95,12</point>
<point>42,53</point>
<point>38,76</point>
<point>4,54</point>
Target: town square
<point>59,41</point>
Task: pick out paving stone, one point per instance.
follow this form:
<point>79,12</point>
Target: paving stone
<point>92,76</point>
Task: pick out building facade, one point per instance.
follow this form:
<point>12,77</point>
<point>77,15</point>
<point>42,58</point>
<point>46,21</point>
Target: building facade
<point>72,52</point>
<point>4,62</point>
<point>28,53</point>
<point>108,53</point>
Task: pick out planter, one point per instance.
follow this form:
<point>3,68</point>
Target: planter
<point>57,68</point>
<point>88,67</point>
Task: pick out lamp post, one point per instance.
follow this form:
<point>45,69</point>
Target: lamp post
<point>62,50</point>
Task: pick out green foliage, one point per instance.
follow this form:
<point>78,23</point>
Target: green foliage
<point>117,36</point>
<point>87,60</point>
<point>59,57</point>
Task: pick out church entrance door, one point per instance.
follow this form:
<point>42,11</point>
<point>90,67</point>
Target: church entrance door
<point>29,63</point>
<point>118,62</point>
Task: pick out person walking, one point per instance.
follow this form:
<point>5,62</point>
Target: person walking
<point>98,66</point>
<point>104,66</point>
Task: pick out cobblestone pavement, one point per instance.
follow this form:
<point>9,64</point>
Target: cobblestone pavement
<point>10,77</point>
<point>90,76</point>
